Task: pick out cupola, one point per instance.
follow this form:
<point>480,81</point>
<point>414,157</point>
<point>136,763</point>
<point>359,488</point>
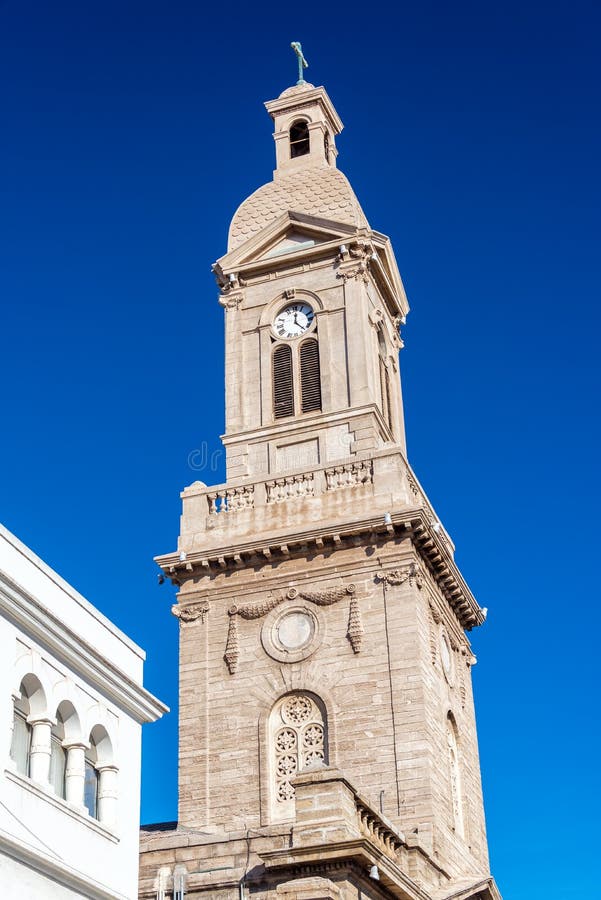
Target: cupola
<point>306,125</point>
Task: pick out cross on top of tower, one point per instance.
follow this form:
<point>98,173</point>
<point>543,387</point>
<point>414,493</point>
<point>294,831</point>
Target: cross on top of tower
<point>302,62</point>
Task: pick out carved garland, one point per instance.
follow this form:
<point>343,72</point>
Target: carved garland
<point>319,598</point>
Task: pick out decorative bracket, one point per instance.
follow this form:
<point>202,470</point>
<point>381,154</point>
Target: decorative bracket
<point>230,300</point>
<point>187,614</point>
<point>356,261</point>
<point>411,573</point>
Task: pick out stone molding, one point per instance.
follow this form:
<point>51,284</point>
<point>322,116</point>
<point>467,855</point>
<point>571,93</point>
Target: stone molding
<point>413,523</point>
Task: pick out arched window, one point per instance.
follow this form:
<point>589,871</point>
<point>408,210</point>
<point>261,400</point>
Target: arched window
<point>20,746</point>
<point>310,377</point>
<point>299,139</point>
<point>299,740</point>
<point>283,385</point>
<point>100,777</point>
<point>58,757</point>
<point>90,785</point>
<point>454,775</point>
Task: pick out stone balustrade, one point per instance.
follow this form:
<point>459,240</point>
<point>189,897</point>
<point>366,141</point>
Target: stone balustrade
<point>290,488</point>
<point>349,475</point>
<point>231,499</point>
<point>386,469</point>
<point>223,499</point>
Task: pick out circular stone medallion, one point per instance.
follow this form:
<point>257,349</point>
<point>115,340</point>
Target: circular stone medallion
<point>291,634</point>
<point>294,630</point>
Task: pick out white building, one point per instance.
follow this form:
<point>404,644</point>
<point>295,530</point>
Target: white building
<point>71,709</point>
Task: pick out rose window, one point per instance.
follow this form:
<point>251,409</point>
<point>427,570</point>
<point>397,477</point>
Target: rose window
<point>297,709</point>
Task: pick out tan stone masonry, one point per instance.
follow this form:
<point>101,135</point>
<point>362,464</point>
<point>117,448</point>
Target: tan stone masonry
<point>327,734</point>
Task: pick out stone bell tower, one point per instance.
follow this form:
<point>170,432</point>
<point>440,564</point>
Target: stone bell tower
<point>327,739</point>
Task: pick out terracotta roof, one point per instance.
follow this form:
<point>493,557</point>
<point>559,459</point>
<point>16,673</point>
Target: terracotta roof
<point>318,191</point>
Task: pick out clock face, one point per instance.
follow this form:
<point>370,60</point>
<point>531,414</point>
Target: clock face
<point>293,320</point>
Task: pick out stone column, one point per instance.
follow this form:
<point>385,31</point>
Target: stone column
<point>39,754</point>
<point>107,794</point>
<point>75,773</point>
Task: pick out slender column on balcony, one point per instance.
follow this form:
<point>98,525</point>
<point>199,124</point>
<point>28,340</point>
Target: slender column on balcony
<point>75,773</point>
<point>107,794</point>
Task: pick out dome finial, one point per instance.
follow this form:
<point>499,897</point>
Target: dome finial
<point>302,62</point>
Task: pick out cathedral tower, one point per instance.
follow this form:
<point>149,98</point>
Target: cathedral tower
<point>327,738</point>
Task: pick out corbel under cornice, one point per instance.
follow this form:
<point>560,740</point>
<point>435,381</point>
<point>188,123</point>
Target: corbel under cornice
<point>412,523</point>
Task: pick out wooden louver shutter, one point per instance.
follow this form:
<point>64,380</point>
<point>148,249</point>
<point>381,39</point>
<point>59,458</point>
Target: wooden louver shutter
<point>283,392</point>
<point>310,380</point>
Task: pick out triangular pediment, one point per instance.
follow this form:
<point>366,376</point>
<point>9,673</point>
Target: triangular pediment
<point>290,232</point>
<point>292,241</point>
<point>291,235</point>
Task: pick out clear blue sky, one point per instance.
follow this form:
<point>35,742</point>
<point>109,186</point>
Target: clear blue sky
<point>131,131</point>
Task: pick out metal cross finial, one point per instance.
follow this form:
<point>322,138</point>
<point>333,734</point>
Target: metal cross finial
<point>302,62</point>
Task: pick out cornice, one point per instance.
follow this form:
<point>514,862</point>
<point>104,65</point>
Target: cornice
<point>413,523</point>
<point>31,617</point>
<point>393,880</point>
<point>308,97</point>
<point>294,425</point>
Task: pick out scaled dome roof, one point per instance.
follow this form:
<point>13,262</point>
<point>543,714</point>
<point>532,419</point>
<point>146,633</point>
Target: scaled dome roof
<point>317,191</point>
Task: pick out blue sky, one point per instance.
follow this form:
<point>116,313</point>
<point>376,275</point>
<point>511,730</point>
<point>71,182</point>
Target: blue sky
<point>131,132</point>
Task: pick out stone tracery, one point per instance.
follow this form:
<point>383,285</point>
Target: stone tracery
<point>299,742</point>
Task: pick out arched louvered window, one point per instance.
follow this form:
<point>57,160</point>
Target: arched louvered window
<point>283,386</point>
<point>299,139</point>
<point>310,380</point>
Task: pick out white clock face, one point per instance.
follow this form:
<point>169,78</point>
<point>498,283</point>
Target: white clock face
<point>293,320</point>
